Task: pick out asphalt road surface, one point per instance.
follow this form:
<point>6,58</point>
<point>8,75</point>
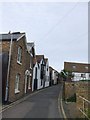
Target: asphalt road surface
<point>43,104</point>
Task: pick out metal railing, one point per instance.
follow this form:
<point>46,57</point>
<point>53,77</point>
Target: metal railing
<point>85,107</point>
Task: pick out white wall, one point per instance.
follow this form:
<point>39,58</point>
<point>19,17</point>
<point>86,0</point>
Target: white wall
<point>39,74</point>
<point>34,69</point>
<point>39,86</point>
<point>77,76</point>
<point>47,74</point>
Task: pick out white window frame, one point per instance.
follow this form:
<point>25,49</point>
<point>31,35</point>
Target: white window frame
<point>29,87</point>
<point>30,62</point>
<point>17,80</point>
<point>19,55</point>
<point>86,67</point>
<point>74,67</point>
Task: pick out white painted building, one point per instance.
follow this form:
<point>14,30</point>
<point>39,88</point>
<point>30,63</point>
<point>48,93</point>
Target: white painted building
<point>80,71</point>
<point>38,73</point>
<point>81,76</point>
<point>46,73</point>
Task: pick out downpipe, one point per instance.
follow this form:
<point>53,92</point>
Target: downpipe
<point>8,72</point>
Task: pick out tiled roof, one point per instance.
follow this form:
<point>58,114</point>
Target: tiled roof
<point>31,44</point>
<point>7,37</point>
<point>77,67</point>
<point>46,59</point>
<point>34,61</point>
<point>50,68</point>
<point>39,58</point>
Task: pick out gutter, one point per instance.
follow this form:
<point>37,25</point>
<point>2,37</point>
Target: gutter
<point>8,72</point>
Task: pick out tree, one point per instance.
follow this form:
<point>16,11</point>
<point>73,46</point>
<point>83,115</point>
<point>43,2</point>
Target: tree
<point>66,74</point>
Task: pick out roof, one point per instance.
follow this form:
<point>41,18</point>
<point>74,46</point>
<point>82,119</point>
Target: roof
<point>50,68</point>
<point>7,37</point>
<point>46,59</point>
<point>30,45</point>
<point>77,67</point>
<point>39,58</point>
<point>34,61</point>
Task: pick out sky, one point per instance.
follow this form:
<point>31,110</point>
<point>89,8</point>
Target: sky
<point>58,29</point>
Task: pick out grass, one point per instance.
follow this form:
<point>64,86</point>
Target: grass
<point>88,112</point>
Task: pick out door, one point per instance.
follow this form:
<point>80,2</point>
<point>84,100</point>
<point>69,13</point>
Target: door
<point>5,59</point>
<point>26,84</point>
<point>35,80</point>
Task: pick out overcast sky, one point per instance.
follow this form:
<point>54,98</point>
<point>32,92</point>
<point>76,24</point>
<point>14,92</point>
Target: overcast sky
<point>59,29</point>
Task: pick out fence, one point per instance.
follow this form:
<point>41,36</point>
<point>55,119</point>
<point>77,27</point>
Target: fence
<point>84,109</point>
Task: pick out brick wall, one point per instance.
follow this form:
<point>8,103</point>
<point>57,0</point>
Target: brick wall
<point>82,89</point>
<point>70,89</point>
<point>5,46</point>
<point>17,68</point>
<point>0,47</point>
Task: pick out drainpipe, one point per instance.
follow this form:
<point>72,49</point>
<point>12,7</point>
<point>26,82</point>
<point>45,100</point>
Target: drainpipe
<point>8,72</point>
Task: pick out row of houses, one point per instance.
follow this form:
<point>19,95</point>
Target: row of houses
<point>22,70</point>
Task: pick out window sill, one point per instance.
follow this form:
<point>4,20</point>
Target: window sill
<point>19,63</point>
<point>29,88</point>
<point>17,91</point>
<point>30,74</point>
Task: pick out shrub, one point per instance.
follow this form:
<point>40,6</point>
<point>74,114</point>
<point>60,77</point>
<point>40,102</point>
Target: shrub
<point>72,98</point>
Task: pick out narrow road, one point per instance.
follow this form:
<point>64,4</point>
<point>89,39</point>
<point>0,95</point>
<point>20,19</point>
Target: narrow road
<point>43,104</point>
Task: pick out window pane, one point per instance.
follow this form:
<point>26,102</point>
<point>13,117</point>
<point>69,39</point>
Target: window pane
<point>19,54</point>
<point>17,81</point>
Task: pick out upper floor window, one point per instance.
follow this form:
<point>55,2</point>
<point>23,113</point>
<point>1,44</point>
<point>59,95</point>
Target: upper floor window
<point>86,67</point>
<point>19,56</point>
<point>30,62</point>
<point>83,75</point>
<point>89,75</point>
<point>74,67</point>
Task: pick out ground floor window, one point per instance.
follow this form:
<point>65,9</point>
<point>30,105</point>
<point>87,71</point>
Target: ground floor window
<point>29,78</point>
<point>17,80</point>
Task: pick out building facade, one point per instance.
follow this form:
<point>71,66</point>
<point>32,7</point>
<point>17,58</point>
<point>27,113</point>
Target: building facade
<point>38,72</point>
<point>47,78</point>
<point>80,71</point>
<point>16,80</point>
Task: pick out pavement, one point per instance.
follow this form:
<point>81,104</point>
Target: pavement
<point>42,104</point>
<point>71,111</point>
